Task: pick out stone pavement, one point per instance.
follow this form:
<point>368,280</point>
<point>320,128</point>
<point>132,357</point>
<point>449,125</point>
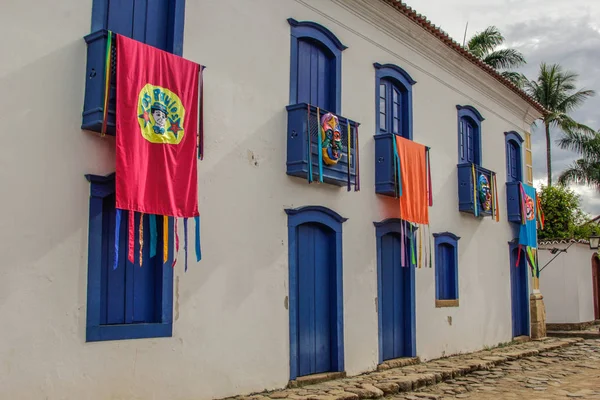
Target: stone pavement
<point>572,372</point>
<point>475,375</point>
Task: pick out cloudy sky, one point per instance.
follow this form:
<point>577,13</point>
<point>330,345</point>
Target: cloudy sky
<point>554,31</point>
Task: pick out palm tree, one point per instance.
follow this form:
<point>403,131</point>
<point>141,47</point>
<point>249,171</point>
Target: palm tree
<point>483,45</point>
<point>586,169</point>
<point>555,89</point>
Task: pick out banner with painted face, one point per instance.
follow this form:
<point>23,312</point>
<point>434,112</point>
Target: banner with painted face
<point>157,122</point>
<point>528,230</point>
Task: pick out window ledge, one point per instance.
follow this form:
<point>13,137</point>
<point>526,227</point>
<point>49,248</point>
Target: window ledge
<point>446,303</point>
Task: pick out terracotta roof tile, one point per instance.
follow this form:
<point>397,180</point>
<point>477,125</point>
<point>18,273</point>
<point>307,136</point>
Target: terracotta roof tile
<point>444,37</point>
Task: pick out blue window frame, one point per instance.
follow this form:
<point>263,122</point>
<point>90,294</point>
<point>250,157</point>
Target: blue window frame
<point>393,97</point>
<point>315,66</point>
<point>514,164</point>
<point>130,301</point>
<point>446,266</point>
<point>469,135</point>
<point>158,23</point>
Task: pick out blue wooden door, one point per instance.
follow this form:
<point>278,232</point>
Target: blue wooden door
<point>519,295</point>
<point>316,294</point>
<point>315,76</point>
<point>395,300</point>
<point>147,21</point>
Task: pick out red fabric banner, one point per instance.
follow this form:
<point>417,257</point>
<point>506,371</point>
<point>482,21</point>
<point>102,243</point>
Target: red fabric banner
<point>157,122</point>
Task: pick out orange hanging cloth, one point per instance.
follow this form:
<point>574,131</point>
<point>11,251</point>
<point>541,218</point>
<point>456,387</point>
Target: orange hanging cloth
<point>413,167</point>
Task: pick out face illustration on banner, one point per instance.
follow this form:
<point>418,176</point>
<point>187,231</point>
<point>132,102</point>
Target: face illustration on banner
<point>160,115</point>
<point>529,209</point>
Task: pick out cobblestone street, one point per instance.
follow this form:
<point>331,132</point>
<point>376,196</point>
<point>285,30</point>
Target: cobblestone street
<point>571,372</point>
<point>549,369</point>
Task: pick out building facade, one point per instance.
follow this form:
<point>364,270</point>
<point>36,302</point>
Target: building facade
<point>240,321</point>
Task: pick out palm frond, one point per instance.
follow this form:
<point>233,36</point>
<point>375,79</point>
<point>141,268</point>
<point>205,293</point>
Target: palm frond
<point>483,43</point>
<point>581,171</point>
<point>504,58</point>
<point>517,78</point>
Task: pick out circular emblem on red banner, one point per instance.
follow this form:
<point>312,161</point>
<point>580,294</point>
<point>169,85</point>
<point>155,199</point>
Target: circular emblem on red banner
<point>160,115</point>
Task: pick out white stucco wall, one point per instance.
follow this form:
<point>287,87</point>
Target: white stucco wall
<point>230,332</point>
<point>566,283</point>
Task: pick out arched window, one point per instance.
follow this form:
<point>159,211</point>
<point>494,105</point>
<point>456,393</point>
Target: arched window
<point>514,169</point>
<point>446,269</point>
<point>393,100</point>
<point>315,66</point>
<point>469,135</point>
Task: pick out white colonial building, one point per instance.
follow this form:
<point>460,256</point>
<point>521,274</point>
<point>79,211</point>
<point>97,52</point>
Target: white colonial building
<point>296,278</point>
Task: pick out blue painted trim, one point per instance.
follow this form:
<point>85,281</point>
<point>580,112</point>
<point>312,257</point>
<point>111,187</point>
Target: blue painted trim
<point>405,82</point>
<point>176,12</point>
<point>315,32</point>
<point>514,137</point>
<point>382,228</point>
<point>308,212</point>
<point>471,113</point>
<point>332,220</point>
<point>452,240</point>
<point>394,71</point>
<point>308,27</point>
<point>448,234</point>
<point>101,187</point>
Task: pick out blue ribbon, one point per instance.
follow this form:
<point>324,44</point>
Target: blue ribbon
<point>198,251</point>
<point>185,241</point>
<point>152,235</point>
<point>117,231</point>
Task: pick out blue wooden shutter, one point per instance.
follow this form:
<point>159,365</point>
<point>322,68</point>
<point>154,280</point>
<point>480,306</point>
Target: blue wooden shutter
<point>470,143</point>
<point>446,273</point>
<point>513,161</point>
<point>316,83</point>
<point>147,21</point>
<point>130,293</point>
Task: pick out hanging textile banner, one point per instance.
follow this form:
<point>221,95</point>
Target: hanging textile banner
<point>528,230</point>
<point>414,200</point>
<point>156,132</point>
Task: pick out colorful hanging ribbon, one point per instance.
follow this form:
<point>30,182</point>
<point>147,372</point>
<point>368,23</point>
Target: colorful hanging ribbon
<point>356,161</point>
<point>539,214</point>
<point>519,256</point>
<point>107,71</point>
<point>141,238</point>
<point>201,113</point>
<point>309,139</point>
<point>198,250</point>
<point>117,240</point>
<point>131,240</point>
<point>523,206</point>
<point>420,229</point>
<point>185,242</point>
<point>349,149</point>
<point>475,203</point>
<point>153,235</point>
<point>176,244</point>
<point>402,244</point>
<point>497,206</point>
<point>165,239</point>
<point>319,145</point>
<point>412,246</point>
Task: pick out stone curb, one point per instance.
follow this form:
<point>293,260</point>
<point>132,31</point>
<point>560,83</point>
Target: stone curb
<point>392,381</point>
<point>575,334</point>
